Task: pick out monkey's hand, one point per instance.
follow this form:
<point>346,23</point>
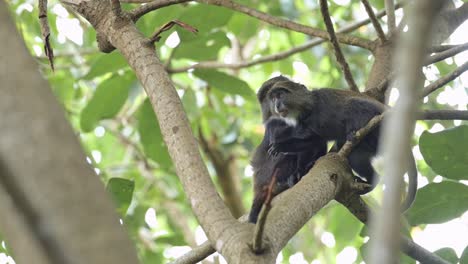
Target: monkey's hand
<point>276,149</point>
<point>273,150</point>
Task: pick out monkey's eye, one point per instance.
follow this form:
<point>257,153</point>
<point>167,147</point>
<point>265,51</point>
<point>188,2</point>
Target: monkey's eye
<point>278,93</point>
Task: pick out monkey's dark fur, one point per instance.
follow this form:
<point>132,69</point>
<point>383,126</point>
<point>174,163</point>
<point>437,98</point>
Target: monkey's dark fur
<point>288,167</point>
<point>333,115</point>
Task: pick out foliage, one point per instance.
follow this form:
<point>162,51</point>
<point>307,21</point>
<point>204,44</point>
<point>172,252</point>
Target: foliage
<point>119,130</point>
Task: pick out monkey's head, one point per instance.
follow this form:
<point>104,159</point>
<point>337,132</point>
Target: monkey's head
<point>283,98</point>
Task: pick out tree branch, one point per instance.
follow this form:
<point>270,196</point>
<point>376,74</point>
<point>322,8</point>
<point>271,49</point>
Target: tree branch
<point>45,30</point>
<point>361,211</point>
<point>385,225</point>
<point>48,219</point>
<point>226,171</point>
<point>196,255</point>
<point>443,115</point>
<point>444,80</point>
<point>374,20</point>
<point>446,54</point>
<point>359,135</point>
<point>390,7</point>
<point>142,10</point>
<point>336,46</point>
<point>274,57</point>
<point>287,24</point>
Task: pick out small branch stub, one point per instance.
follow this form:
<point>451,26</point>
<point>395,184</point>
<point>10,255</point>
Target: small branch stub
<point>156,36</point>
<point>257,242</point>
<point>45,30</point>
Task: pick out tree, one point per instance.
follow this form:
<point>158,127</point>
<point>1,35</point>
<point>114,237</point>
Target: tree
<point>236,48</point>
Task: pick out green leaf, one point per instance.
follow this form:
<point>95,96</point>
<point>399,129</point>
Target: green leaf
<point>106,63</point>
<point>226,83</point>
<point>202,48</point>
<point>62,86</point>
<point>150,135</point>
<point>344,231</point>
<point>150,257</point>
<point>243,27</point>
<point>107,101</point>
<point>204,18</point>
<point>189,100</point>
<point>122,191</point>
<point>448,254</point>
<point>438,203</point>
<point>445,152</point>
<point>464,256</point>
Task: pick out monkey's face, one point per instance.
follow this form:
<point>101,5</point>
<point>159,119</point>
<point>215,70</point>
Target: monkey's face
<point>281,103</point>
<point>276,98</point>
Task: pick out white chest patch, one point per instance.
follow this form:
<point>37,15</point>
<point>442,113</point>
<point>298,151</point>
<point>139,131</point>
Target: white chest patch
<point>290,121</point>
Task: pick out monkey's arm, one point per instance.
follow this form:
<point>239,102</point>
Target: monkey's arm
<point>295,144</point>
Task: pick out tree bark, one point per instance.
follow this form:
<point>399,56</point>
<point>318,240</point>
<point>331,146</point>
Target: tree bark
<point>57,208</point>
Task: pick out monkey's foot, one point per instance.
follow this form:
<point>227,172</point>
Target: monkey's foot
<point>361,186</point>
<point>351,137</point>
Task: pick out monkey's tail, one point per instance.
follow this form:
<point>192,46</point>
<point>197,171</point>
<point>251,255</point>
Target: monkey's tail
<point>412,184</point>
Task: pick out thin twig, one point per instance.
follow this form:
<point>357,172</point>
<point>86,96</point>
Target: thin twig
<point>45,30</point>
<point>142,10</point>
<point>274,57</point>
<point>257,242</point>
<point>338,53</point>
<point>360,134</point>
<point>375,121</point>
<point>195,255</point>
<point>288,24</point>
<point>156,36</point>
<point>390,7</point>
<point>444,80</point>
<point>446,54</point>
<point>374,20</point>
<point>443,115</point>
<point>68,54</point>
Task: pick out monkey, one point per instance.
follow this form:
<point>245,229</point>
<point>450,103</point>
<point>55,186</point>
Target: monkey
<point>288,167</point>
<point>333,115</point>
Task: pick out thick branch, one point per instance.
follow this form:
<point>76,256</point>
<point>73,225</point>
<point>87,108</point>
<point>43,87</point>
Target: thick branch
<point>221,228</point>
<point>57,209</point>
<point>386,223</point>
<point>336,46</point>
